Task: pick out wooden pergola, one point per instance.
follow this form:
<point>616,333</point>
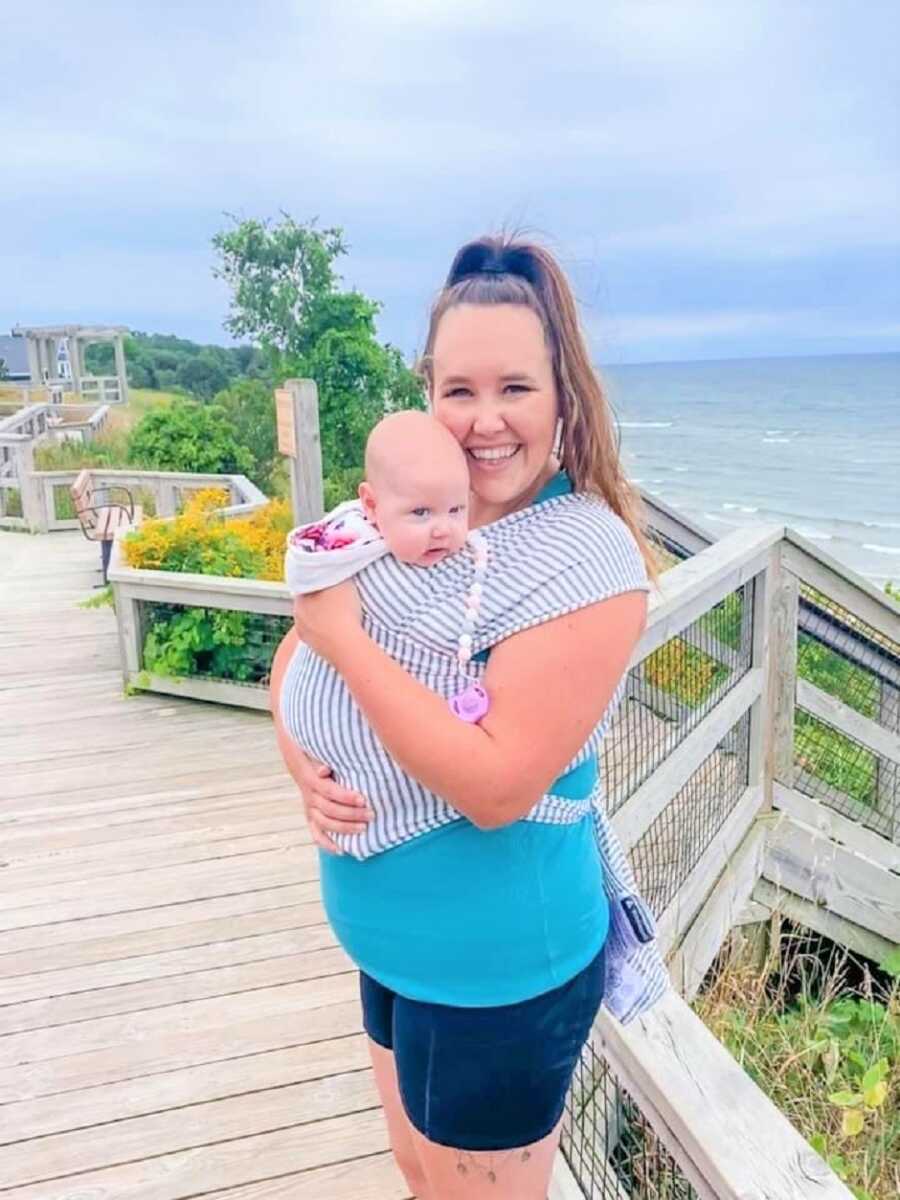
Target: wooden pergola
<point>43,343</point>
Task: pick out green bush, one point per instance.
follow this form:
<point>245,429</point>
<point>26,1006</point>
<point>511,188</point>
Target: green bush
<point>213,642</point>
<point>190,437</point>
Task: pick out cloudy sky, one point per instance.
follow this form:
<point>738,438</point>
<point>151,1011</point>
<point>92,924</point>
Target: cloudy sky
<point>720,177</point>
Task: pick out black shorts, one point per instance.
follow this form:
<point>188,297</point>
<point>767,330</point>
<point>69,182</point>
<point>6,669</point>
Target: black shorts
<point>486,1078</point>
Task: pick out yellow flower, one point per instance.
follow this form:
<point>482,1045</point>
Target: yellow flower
<point>210,540</point>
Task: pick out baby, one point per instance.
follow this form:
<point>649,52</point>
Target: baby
<point>413,504</point>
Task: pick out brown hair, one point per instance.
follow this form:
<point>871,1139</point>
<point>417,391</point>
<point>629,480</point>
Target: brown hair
<point>510,270</point>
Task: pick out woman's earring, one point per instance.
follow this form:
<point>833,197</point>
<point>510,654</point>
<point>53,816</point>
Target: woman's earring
<point>558,439</point>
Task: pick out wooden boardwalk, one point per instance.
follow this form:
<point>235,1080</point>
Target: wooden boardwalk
<point>175,1018</point>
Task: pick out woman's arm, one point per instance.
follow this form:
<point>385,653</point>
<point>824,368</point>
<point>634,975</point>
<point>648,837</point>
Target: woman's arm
<point>548,686</point>
<point>329,808</point>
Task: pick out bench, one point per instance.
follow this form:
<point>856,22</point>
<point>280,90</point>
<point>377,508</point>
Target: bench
<point>102,512</point>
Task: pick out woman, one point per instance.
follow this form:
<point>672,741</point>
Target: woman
<point>474,896</point>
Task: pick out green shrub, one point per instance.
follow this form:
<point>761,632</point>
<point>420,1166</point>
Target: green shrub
<point>190,437</point>
<point>213,642</point>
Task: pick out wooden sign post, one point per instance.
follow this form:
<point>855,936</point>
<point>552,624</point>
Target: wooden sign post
<point>297,422</point>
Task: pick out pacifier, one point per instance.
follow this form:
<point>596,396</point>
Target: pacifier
<point>470,705</point>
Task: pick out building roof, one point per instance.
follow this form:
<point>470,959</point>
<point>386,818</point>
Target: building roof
<point>15,356</point>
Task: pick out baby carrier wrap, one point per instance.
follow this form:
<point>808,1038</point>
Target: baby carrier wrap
<point>544,561</point>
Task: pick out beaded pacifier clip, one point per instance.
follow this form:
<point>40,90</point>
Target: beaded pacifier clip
<point>472,703</point>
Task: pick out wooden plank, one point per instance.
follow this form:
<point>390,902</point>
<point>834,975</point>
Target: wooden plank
<point>724,1132</point>
<point>813,916</point>
<point>752,913</point>
<point>800,859</point>
<point>212,790</point>
<point>204,887</point>
<point>832,711</point>
<point>102,1032</point>
<point>117,985</point>
<point>205,1167</point>
<point>15,880</point>
<point>306,1106</point>
<point>140,996</point>
<point>691,588</point>
<point>375,1177</point>
<point>215,691</point>
<point>53,782</point>
<point>838,827</point>
<point>852,591</point>
<point>85,839</point>
<point>157,927</point>
<point>157,881</point>
<point>175,1088</point>
<point>782,617</point>
<point>235,1040</point>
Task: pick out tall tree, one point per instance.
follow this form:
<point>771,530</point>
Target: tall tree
<point>284,295</point>
<point>275,273</point>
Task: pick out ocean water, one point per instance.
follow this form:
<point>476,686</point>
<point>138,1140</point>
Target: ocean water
<point>813,443</point>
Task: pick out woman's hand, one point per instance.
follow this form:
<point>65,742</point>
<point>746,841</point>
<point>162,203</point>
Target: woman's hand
<point>326,621</point>
<point>328,807</point>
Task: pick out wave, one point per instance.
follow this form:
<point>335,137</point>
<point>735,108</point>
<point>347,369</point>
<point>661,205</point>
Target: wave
<point>646,424</point>
<point>881,549</point>
<point>750,508</point>
<point>777,439</point>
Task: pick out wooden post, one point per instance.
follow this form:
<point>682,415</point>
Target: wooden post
<point>774,647</point>
<point>297,414</point>
<point>121,370</point>
<point>33,509</point>
<point>75,364</point>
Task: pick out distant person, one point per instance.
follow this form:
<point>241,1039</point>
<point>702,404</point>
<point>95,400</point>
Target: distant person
<point>467,866</point>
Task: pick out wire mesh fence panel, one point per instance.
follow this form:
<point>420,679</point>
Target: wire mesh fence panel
<point>10,502</point>
<point>673,689</point>
<point>859,666</point>
<point>63,504</point>
<point>609,1144</point>
<point>209,643</point>
<point>666,854</point>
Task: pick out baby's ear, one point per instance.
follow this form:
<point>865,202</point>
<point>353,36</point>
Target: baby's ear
<point>367,497</point>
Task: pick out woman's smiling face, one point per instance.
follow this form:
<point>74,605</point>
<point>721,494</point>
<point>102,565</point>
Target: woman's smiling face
<point>493,388</point>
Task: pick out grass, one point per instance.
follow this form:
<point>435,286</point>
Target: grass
<point>819,1031</point>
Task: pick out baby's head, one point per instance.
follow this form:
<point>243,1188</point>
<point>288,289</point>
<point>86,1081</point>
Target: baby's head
<point>416,490</point>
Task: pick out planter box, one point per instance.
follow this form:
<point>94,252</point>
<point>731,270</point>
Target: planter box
<point>137,592</point>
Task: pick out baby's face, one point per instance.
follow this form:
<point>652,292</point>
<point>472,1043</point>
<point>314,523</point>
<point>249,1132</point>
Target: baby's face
<point>421,519</point>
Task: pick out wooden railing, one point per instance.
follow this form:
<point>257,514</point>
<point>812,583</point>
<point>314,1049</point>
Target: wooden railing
<point>705,791</point>
<point>22,503</point>
<point>777,848</point>
<point>51,506</point>
<point>101,389</point>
